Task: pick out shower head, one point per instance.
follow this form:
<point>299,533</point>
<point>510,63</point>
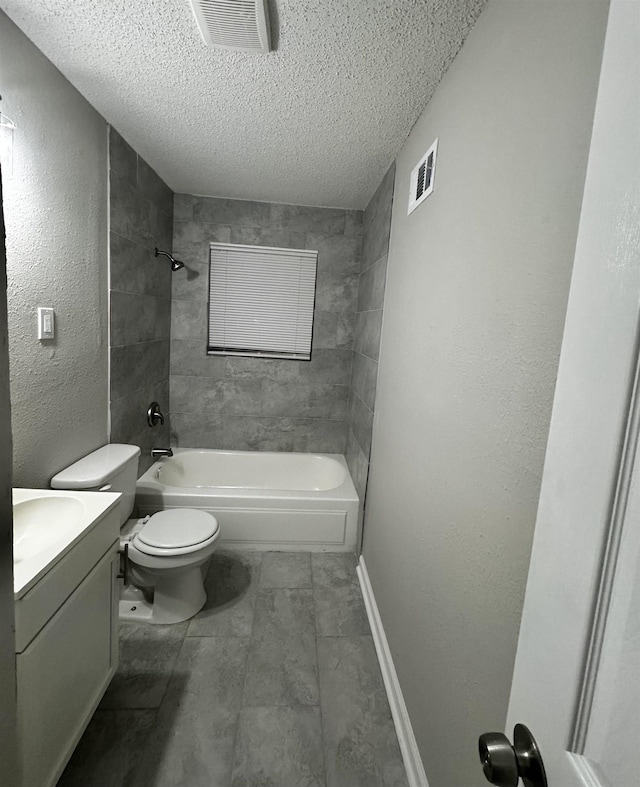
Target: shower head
<point>175,264</point>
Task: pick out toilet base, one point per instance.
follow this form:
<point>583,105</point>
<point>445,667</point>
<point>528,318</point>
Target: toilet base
<point>177,596</point>
<point>135,611</point>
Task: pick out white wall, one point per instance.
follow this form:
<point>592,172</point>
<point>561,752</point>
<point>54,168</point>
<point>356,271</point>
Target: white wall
<point>477,285</point>
<point>56,221</point>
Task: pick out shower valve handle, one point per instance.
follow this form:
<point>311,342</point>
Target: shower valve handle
<point>154,416</point>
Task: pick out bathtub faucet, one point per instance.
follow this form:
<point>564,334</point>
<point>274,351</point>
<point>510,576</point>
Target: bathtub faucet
<point>156,453</point>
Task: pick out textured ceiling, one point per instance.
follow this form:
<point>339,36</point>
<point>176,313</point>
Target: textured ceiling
<point>316,122</point>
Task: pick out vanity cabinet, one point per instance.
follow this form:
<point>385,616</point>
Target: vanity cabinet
<point>67,643</point>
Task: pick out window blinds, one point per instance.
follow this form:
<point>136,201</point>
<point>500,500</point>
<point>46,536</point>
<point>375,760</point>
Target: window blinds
<point>261,301</point>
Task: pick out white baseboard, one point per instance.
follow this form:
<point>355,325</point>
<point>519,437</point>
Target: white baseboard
<point>408,746</point>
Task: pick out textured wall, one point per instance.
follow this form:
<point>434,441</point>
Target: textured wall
<point>257,403</point>
<point>56,216</point>
<point>7,639</point>
<point>476,291</point>
<point>141,219</point>
<point>364,373</point>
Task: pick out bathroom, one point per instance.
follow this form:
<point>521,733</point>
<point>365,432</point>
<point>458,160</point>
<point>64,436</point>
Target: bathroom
<point>443,415</point>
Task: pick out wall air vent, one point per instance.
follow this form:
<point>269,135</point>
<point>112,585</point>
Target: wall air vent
<point>421,181</point>
<point>239,25</point>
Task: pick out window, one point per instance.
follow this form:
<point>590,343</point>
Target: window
<point>261,301</point>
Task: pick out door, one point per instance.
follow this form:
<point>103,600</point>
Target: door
<point>576,682</point>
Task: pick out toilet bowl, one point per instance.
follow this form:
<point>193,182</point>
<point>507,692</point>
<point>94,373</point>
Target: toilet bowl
<point>164,556</point>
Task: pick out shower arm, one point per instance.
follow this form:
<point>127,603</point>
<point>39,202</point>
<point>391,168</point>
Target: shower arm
<point>175,264</point>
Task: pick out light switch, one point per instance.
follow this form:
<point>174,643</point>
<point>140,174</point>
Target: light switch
<point>46,323</point>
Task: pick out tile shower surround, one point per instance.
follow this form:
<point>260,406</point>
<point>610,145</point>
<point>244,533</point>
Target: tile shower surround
<point>368,325</point>
<point>141,216</point>
<point>256,403</point>
<point>241,403</point>
<point>274,682</point>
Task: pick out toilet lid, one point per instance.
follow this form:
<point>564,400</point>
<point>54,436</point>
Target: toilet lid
<point>178,527</point>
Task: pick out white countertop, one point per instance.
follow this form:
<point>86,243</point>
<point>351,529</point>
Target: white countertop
<point>46,530</point>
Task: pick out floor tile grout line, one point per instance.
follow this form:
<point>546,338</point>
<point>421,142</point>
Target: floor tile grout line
<point>253,616</point>
<point>123,709</point>
<point>217,636</point>
<point>250,641</point>
<point>292,705</point>
<point>173,667</point>
<point>240,709</point>
<point>315,623</point>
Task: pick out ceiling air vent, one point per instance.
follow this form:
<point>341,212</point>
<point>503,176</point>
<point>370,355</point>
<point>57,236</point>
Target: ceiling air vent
<point>421,181</point>
<point>240,25</point>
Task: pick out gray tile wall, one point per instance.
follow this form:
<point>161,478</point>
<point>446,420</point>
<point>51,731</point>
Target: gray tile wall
<point>141,213</point>
<point>256,403</point>
<point>371,283</point>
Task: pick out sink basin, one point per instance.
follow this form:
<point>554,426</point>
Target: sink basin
<point>47,524</point>
<point>41,522</point>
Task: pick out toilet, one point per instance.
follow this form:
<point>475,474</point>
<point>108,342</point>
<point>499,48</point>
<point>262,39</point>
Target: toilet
<point>165,555</point>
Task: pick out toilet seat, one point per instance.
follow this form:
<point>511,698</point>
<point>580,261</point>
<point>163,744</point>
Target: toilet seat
<point>177,531</point>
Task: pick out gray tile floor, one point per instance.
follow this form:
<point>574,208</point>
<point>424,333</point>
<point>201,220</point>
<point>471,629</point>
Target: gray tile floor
<point>275,683</point>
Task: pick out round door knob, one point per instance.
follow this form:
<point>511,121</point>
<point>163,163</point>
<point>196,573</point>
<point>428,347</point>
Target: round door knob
<point>504,764</point>
<point>498,759</point>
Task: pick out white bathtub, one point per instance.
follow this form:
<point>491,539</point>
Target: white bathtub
<point>261,499</point>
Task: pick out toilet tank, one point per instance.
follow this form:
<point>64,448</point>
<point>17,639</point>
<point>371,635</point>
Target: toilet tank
<point>112,468</point>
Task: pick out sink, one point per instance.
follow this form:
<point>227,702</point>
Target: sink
<point>47,524</point>
<point>41,522</point>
